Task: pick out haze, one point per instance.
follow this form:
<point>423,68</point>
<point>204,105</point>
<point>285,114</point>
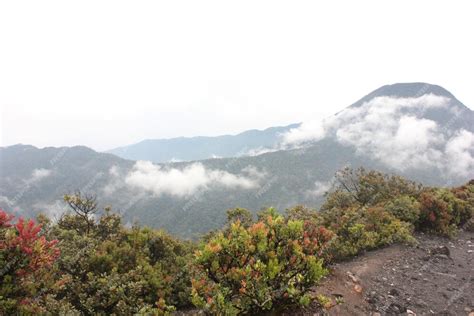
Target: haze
<point>110,73</point>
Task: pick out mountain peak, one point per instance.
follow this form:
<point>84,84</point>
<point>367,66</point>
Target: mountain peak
<point>407,90</point>
<point>412,89</point>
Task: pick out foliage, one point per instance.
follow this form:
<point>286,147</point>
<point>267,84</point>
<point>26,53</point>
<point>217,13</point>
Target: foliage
<point>84,206</point>
<point>465,205</point>
<point>405,208</point>
<point>366,188</point>
<point>361,229</point>
<point>25,259</point>
<point>109,269</point>
<point>104,268</point>
<point>443,210</point>
<point>301,212</point>
<point>99,266</point>
<point>240,214</point>
<point>324,301</point>
<point>368,209</point>
<point>273,262</point>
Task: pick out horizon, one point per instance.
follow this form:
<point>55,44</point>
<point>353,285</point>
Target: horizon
<point>210,136</point>
<point>164,70</point>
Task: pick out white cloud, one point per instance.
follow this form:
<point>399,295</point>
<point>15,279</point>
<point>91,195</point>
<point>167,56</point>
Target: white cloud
<point>184,182</point>
<point>306,132</point>
<point>116,181</point>
<point>320,188</point>
<point>394,131</point>
<point>377,113</point>
<point>460,154</point>
<point>114,171</point>
<point>254,173</point>
<point>173,160</point>
<point>259,151</point>
<point>404,143</point>
<point>39,174</point>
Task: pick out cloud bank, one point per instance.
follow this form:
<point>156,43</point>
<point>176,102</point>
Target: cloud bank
<point>184,182</point>
<point>394,131</point>
<point>460,153</point>
<point>306,132</point>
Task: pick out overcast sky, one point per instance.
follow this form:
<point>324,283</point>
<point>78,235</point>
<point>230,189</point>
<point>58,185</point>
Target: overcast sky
<point>111,73</point>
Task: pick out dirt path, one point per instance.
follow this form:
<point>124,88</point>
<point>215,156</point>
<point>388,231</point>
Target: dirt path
<point>434,278</point>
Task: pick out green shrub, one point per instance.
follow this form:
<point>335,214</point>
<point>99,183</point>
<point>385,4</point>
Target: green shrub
<point>126,272</point>
<point>367,188</point>
<point>106,268</point>
<point>272,263</point>
<point>338,199</point>
<point>361,229</point>
<point>465,207</point>
<point>301,212</point>
<point>240,214</point>
<point>405,208</point>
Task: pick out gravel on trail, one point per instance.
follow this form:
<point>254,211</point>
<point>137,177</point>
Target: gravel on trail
<point>436,277</point>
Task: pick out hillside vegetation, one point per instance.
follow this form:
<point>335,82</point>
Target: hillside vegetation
<point>88,264</point>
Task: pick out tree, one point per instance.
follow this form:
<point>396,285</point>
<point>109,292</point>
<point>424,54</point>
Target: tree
<point>367,188</point>
<point>85,207</point>
<point>239,214</point>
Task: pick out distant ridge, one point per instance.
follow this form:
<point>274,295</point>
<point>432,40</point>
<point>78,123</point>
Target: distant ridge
<point>203,147</point>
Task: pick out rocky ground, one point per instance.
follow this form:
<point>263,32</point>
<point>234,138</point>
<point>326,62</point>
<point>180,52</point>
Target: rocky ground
<point>436,277</point>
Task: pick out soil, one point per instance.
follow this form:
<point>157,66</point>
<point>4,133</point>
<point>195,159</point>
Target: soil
<point>436,277</point>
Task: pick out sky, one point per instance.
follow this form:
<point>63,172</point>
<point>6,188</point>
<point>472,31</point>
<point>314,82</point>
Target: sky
<point>110,73</point>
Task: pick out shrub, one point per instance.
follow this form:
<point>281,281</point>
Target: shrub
<point>271,263</point>
<point>465,194</point>
<point>25,259</point>
<point>441,212</point>
<point>239,214</point>
<point>114,270</point>
<point>301,212</point>
<point>470,225</point>
<point>367,188</point>
<point>361,229</point>
<point>405,208</point>
<point>338,199</point>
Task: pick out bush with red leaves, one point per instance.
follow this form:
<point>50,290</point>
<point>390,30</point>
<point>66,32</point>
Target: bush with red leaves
<point>25,256</point>
<point>442,210</point>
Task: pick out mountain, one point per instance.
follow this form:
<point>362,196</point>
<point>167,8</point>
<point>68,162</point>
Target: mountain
<point>417,130</point>
<point>463,119</point>
<point>33,180</point>
<point>247,143</point>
